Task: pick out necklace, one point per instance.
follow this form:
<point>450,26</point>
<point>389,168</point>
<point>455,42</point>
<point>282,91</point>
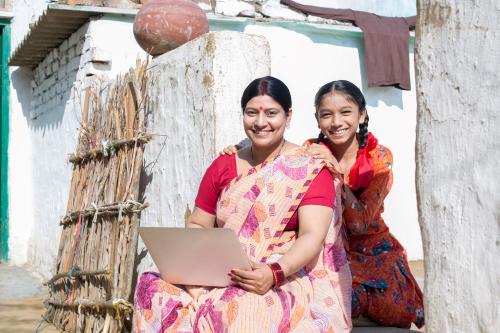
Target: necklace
<point>279,151</point>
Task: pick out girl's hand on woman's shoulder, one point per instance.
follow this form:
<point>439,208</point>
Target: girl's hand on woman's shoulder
<point>259,280</point>
<point>229,150</point>
<point>322,152</point>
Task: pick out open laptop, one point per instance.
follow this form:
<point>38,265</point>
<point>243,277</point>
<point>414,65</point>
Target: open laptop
<point>195,256</point>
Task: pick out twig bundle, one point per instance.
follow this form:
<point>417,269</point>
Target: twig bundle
<point>91,288</point>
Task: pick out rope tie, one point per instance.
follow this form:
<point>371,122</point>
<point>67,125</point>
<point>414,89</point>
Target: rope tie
<point>94,220</point>
<point>45,319</point>
<point>72,272</point>
<point>119,305</point>
<point>108,149</point>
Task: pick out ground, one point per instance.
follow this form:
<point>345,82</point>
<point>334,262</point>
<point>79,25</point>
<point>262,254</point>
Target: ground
<point>22,294</point>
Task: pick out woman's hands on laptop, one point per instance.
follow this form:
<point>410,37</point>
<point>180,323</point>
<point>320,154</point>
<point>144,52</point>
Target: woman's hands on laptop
<point>258,280</point>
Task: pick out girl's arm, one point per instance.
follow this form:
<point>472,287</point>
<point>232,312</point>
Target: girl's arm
<point>361,211</point>
<point>229,150</point>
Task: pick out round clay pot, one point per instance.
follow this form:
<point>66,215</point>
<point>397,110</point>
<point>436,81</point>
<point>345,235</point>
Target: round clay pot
<point>163,25</point>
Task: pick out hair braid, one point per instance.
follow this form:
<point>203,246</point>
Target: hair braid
<point>321,137</point>
<point>363,132</point>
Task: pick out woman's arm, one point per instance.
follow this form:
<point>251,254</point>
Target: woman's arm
<point>314,221</point>
<point>313,226</point>
<point>200,219</point>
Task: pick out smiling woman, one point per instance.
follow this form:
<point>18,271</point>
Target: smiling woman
<point>284,206</point>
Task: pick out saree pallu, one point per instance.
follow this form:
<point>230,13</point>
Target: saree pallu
<point>257,205</point>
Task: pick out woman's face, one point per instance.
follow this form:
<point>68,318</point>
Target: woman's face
<point>338,117</point>
<point>264,121</point>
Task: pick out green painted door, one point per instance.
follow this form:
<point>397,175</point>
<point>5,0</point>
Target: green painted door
<point>4,138</point>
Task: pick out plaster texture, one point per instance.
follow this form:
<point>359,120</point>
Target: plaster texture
<point>458,149</point>
<point>20,170</point>
<point>194,108</point>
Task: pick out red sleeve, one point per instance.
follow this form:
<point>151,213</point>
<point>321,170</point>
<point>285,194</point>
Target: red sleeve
<point>321,192</point>
<point>367,205</point>
<point>218,175</point>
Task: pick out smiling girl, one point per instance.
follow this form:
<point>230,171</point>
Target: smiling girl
<point>384,289</point>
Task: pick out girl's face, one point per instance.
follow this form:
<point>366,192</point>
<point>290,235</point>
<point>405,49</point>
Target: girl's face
<point>338,117</point>
<point>264,121</point>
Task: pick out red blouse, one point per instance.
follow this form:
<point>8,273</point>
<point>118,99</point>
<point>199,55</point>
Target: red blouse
<point>223,170</point>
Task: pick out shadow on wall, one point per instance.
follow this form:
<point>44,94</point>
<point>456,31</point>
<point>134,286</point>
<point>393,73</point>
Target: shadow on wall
<point>21,78</point>
<point>44,116</point>
<point>46,92</point>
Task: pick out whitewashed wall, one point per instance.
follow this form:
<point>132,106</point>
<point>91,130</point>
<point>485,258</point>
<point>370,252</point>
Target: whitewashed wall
<point>194,103</point>
<point>45,114</point>
<point>20,169</point>
<point>457,163</point>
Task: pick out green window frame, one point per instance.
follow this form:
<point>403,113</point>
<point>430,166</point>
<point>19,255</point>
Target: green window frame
<point>4,137</point>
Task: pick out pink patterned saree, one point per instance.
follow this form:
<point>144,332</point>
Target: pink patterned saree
<point>257,205</point>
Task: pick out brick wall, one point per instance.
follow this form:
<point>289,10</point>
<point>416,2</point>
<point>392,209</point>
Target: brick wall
<point>65,67</point>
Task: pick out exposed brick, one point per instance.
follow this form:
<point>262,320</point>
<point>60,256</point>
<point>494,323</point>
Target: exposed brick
<point>74,38</point>
<point>71,52</point>
<point>55,66</point>
<point>48,71</point>
<point>63,47</point>
<point>73,64</point>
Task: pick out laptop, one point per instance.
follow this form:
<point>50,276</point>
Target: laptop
<point>195,256</point>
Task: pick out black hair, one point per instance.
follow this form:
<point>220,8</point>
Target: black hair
<point>270,86</point>
<point>353,93</point>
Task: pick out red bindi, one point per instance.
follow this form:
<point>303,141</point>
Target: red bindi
<point>261,108</point>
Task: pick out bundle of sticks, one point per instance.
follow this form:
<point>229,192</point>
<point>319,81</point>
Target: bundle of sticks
<point>92,285</point>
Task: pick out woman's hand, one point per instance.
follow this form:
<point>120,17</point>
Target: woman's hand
<point>229,150</point>
<point>259,280</point>
<point>322,152</point>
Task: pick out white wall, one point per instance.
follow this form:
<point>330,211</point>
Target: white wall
<point>45,113</point>
<point>306,56</point>
<point>20,169</point>
<point>458,150</point>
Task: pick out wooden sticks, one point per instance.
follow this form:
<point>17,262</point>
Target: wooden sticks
<point>91,290</point>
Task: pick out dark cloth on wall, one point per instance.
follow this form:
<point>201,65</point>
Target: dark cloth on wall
<point>386,42</point>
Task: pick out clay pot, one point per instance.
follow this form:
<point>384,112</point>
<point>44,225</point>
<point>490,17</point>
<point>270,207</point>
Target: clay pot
<point>163,25</point>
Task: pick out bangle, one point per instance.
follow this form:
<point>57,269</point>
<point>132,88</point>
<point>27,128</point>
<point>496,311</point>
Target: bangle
<point>279,276</point>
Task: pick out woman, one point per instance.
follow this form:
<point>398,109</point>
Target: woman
<point>384,289</point>
<point>280,203</point>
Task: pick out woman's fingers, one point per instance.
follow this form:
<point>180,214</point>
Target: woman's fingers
<point>247,287</point>
<point>247,275</point>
